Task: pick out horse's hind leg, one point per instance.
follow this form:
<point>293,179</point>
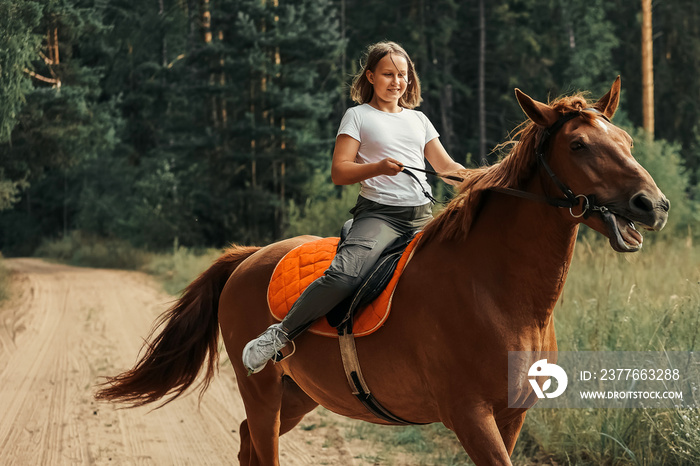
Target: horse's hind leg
<point>246,449</point>
<point>295,405</point>
<point>262,396</point>
<point>274,406</point>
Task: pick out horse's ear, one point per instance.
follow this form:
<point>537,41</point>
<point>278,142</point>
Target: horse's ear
<point>541,114</point>
<point>607,105</point>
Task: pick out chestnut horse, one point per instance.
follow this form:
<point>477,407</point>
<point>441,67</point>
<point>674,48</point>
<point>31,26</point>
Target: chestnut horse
<point>496,260</point>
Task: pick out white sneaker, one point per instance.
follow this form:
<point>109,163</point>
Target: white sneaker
<point>260,350</point>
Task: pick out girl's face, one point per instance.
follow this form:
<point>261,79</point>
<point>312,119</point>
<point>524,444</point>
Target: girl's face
<point>389,79</point>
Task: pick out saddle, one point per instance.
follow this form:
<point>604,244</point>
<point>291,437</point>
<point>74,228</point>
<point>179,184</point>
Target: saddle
<point>361,314</point>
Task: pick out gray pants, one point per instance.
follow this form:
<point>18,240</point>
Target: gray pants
<point>375,226</point>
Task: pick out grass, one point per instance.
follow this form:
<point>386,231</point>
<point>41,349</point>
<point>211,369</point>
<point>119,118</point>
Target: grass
<point>420,445</point>
<point>86,250</point>
<point>642,302</point>
<point>612,302</point>
<point>175,270</point>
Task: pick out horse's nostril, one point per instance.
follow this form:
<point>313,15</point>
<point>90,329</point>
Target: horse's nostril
<point>642,202</point>
<point>665,205</point>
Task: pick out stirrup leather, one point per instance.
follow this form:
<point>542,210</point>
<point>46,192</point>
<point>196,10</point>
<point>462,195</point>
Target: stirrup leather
<point>358,385</point>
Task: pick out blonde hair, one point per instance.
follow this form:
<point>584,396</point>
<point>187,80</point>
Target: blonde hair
<point>362,90</point>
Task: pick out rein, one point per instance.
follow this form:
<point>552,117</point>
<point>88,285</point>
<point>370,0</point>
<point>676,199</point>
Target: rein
<point>570,200</point>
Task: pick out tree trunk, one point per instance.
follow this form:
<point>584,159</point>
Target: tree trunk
<point>482,85</point>
<point>222,82</point>
<point>205,13</point>
<point>65,205</point>
<point>51,60</point>
<point>205,18</point>
<point>446,104</point>
<point>647,68</point>
<point>281,210</point>
<point>163,42</point>
<point>53,46</point>
<point>343,56</point>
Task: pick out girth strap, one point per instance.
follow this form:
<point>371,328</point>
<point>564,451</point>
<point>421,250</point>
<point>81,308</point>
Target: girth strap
<point>358,386</point>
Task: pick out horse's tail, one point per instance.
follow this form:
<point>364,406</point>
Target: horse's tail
<point>173,359</point>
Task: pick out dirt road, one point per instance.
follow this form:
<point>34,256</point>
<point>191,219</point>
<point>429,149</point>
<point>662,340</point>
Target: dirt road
<point>66,327</point>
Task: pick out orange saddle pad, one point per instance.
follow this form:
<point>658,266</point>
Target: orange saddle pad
<point>304,264</point>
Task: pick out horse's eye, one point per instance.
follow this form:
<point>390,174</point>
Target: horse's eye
<point>577,145</point>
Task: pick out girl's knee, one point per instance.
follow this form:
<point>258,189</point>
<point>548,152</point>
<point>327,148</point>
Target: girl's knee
<point>340,281</point>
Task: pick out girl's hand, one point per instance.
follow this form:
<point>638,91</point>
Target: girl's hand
<point>389,166</point>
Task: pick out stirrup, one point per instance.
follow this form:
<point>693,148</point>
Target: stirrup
<point>279,357</point>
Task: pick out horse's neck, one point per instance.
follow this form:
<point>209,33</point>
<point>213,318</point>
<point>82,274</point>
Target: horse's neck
<point>530,245</point>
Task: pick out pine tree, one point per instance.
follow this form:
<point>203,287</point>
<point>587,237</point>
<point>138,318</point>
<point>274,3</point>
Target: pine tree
<point>62,124</point>
<point>18,47</point>
<point>265,86</point>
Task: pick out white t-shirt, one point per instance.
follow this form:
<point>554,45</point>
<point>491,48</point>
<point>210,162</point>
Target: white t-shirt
<point>401,136</point>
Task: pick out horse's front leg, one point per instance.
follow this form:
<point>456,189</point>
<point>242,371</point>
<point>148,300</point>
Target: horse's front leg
<point>510,431</point>
<point>479,434</point>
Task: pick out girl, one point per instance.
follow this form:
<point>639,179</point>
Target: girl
<point>375,140</point>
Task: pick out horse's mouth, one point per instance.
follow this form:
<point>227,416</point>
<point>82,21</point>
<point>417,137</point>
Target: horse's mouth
<point>622,233</point>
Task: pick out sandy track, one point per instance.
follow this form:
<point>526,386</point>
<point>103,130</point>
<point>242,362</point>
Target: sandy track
<point>66,327</point>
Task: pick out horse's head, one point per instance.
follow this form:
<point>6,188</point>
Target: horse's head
<point>593,158</point>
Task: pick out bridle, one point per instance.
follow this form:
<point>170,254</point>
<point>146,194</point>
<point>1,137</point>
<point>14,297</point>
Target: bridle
<point>570,200</point>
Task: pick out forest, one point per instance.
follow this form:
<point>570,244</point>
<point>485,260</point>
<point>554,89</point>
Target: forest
<point>200,123</point>
<point>149,134</point>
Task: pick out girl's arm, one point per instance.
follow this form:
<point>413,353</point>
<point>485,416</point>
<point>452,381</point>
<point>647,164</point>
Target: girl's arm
<point>440,159</point>
<point>344,169</point>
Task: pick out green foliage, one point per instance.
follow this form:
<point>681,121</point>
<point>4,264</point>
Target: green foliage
<point>325,210</point>
<point>60,128</point>
<point>641,302</point>
<point>591,41</point>
<point>9,191</point>
<point>175,270</point>
<point>680,430</point>
<point>676,66</point>
<point>162,138</point>
<point>87,250</point>
<point>18,47</point>
<point>663,160</point>
<point>281,83</point>
<point>178,269</point>
<point>424,445</point>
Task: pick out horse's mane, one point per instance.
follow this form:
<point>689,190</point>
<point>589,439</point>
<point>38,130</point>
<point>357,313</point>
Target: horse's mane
<point>513,171</point>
